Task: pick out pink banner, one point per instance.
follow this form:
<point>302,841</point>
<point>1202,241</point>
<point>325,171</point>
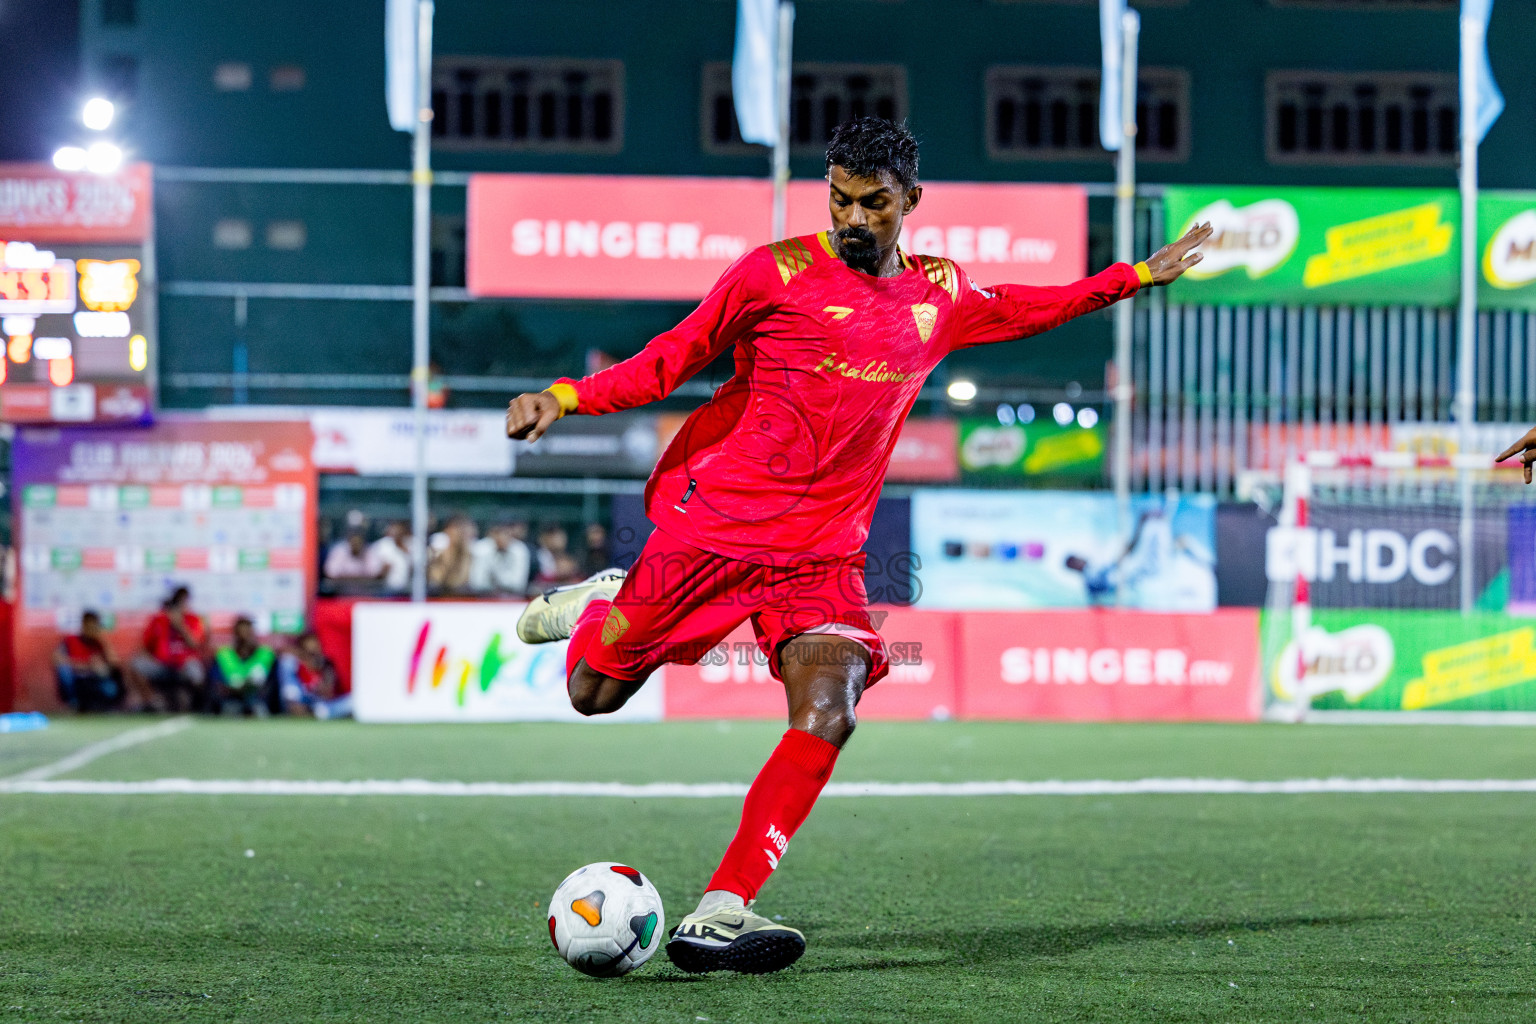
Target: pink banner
<point>41,204</point>
<point>631,237</point>
<point>1090,665</point>
<point>1103,665</point>
<point>999,233</point>
<point>609,237</point>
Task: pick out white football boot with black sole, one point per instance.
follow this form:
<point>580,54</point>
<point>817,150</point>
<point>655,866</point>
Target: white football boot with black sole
<point>733,939</point>
<point>552,615</point>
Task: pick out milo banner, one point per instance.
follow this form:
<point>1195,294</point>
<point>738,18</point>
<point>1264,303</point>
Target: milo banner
<point>1403,660</point>
<point>1352,246</point>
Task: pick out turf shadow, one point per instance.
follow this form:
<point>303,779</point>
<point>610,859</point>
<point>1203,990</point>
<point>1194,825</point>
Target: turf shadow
<point>1060,940</point>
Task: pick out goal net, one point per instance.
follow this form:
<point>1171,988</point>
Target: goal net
<point>1398,583</point>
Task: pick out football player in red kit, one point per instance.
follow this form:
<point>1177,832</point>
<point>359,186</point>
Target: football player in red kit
<point>763,500</point>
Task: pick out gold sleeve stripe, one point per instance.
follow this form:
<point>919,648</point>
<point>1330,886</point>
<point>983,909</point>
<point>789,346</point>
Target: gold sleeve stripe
<point>941,272</point>
<point>1144,274</point>
<point>826,243</point>
<point>565,395</point>
<point>792,256</point>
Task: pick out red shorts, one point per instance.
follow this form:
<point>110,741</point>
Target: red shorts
<point>679,603</point>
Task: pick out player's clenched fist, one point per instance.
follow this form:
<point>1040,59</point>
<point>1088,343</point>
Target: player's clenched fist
<point>528,416</point>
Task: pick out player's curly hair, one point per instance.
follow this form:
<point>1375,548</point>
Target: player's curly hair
<point>869,146</point>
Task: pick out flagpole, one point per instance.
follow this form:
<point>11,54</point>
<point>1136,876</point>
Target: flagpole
<point>1125,241</point>
<point>781,107</point>
<point>1466,354</point>
<point>421,242</point>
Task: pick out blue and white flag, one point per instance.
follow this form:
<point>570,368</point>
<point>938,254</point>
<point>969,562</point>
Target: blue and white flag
<point>400,63</point>
<point>1111,125</point>
<point>753,71</point>
<point>1490,102</point>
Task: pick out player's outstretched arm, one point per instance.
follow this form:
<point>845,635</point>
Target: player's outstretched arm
<point>529,415</point>
<point>1168,264</point>
<point>1010,311</point>
<point>1524,449</point>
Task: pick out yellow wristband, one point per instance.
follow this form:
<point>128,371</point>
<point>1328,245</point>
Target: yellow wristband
<point>1144,272</point>
<point>564,394</point>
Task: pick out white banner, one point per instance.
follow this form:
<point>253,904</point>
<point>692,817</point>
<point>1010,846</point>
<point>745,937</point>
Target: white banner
<point>462,662</point>
<point>382,442</point>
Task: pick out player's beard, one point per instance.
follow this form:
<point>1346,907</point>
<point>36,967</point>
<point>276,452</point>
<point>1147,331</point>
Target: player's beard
<point>858,248</point>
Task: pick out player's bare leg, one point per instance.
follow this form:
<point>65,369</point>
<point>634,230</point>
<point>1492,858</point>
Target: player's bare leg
<point>593,693</point>
<point>824,677</point>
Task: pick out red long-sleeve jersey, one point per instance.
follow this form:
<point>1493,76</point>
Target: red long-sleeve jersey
<point>787,458</point>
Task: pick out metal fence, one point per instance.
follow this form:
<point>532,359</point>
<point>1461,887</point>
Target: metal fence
<point>1224,389</point>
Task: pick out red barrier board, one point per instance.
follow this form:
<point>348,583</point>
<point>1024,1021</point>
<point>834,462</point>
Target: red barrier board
<point>921,683</point>
<point>1103,665</point>
<point>608,236</point>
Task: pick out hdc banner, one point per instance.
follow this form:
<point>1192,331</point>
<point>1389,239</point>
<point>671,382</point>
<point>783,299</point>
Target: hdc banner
<point>1352,246</point>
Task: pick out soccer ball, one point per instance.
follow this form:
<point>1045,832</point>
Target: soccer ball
<point>606,919</point>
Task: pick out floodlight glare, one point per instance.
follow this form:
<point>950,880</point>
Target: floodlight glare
<point>961,391</point>
<point>103,158</point>
<point>1086,417</point>
<point>69,158</point>
<point>97,114</point>
<point>1063,413</point>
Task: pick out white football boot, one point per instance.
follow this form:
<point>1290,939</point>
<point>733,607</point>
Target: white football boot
<point>552,615</point>
<point>733,938</point>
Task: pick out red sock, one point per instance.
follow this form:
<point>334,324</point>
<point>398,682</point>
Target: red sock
<point>587,624</point>
<point>778,803</point>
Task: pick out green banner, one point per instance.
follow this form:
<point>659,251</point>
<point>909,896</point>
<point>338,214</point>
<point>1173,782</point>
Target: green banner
<point>990,450</point>
<point>1371,659</point>
<point>1352,246</point>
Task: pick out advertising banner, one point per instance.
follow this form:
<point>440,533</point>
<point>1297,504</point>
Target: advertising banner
<point>462,662</point>
<point>1063,549</point>
<point>1404,660</point>
<point>633,237</point>
<point>999,233</point>
<point>383,442</point>
<point>1104,665</point>
<point>992,451</point>
<point>609,237</point>
<point>733,681</point>
<point>113,520</point>
<point>617,445</point>
<point>1318,246</point>
<point>1384,556</point>
<point>1352,246</point>
<point>40,203</point>
<point>926,452</point>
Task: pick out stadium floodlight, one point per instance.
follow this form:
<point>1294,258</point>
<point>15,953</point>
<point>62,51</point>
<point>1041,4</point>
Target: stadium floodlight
<point>103,158</point>
<point>1026,413</point>
<point>97,114</point>
<point>1086,417</point>
<point>961,391</point>
<point>1063,413</point>
<point>1005,415</point>
<point>69,158</point>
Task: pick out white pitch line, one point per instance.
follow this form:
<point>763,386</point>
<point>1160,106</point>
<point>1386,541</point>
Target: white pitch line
<point>86,754</point>
<point>705,790</point>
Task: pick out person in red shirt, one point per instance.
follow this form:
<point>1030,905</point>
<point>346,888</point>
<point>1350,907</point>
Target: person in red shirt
<point>89,676</point>
<point>175,646</point>
<point>763,500</point>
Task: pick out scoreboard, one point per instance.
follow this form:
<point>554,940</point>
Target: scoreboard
<point>77,296</point>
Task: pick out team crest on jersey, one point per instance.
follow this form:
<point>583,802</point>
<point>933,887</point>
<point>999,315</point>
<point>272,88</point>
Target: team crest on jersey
<point>614,626</point>
<point>927,316</point>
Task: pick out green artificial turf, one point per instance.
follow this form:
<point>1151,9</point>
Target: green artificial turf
<point>1126,908</point>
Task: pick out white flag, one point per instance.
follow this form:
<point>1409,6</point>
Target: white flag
<point>1490,102</point>
<point>1110,125</point>
<point>753,71</point>
<point>400,63</point>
